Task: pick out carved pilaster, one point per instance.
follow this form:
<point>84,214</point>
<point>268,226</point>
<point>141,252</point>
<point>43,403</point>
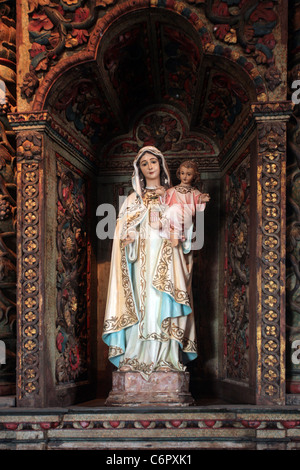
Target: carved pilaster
<point>30,247</point>
<point>53,290</point>
<point>271,119</point>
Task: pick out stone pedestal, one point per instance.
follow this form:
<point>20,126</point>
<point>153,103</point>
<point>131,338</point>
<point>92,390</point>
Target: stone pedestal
<point>162,389</point>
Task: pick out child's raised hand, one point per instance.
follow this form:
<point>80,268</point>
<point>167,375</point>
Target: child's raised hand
<point>205,197</point>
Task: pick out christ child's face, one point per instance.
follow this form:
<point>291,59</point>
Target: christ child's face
<point>186,175</point>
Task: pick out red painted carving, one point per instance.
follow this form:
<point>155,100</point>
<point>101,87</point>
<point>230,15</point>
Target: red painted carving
<point>251,26</point>
<point>54,27</point>
<point>71,340</point>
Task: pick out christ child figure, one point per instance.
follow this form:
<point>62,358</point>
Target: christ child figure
<point>182,202</point>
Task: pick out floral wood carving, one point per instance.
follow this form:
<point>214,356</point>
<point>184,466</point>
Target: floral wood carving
<point>71,323</point>
<point>226,101</point>
<point>236,319</point>
<point>29,145</point>
<point>249,24</point>
<point>54,27</point>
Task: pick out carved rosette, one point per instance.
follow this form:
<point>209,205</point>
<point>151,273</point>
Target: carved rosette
<point>271,173</point>
<point>30,180</point>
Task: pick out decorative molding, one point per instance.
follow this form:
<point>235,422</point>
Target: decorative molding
<point>156,432</point>
<point>272,110</point>
<point>55,64</point>
<point>44,122</point>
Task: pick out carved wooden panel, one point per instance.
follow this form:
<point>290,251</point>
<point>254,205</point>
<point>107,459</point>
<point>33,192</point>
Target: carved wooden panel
<point>237,272</point>
<point>72,276</point>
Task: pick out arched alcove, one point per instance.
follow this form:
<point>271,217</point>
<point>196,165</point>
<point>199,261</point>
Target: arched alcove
<point>154,76</point>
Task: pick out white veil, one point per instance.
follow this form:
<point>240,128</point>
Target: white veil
<point>137,179</point>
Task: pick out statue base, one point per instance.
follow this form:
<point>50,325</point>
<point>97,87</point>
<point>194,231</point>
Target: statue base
<point>162,389</point>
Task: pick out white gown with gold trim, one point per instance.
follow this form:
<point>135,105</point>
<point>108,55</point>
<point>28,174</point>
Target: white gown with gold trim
<point>149,321</point>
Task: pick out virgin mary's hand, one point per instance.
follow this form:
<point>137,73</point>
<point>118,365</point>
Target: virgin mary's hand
<point>130,237</point>
<point>126,241</point>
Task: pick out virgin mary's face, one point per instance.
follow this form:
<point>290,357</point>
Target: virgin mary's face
<point>150,167</point>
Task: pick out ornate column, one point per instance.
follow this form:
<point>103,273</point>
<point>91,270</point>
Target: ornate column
<point>54,267</point>
<point>30,260</point>
<point>271,120</point>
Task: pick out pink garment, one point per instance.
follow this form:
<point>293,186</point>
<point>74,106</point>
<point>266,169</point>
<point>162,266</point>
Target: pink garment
<point>182,204</point>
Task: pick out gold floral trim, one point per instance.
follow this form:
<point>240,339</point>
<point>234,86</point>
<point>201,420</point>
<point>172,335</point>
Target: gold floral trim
<point>162,279</point>
<point>135,365</point>
<point>129,317</point>
<point>183,190</point>
<point>150,197</point>
<point>114,351</point>
<point>175,332</point>
<point>155,337</point>
<point>143,282</point>
<point>147,369</point>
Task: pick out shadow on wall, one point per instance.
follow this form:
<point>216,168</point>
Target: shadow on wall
<point>204,369</point>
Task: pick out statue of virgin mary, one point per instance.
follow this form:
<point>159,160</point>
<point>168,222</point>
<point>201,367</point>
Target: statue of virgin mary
<point>149,322</point>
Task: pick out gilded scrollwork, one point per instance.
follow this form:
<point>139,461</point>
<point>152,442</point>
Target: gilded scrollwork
<point>163,279</point>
